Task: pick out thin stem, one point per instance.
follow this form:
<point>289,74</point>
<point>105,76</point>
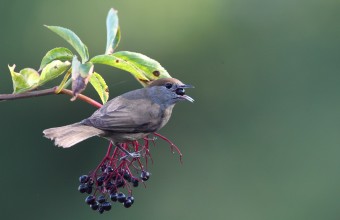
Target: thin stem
<point>82,97</point>
<point>106,157</point>
<point>27,94</point>
<point>51,91</point>
<point>172,145</point>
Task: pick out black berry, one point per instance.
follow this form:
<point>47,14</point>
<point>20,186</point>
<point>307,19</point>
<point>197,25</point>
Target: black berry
<point>120,183</point>
<point>108,185</point>
<point>94,206</point>
<point>121,197</point>
<point>145,175</point>
<point>100,180</point>
<point>101,199</point>
<point>134,182</point>
<point>180,91</point>
<point>89,189</point>
<point>82,188</point>
<point>90,200</point>
<point>128,203</point>
<point>127,176</point>
<point>131,199</point>
<point>106,206</point>
<point>83,179</point>
<point>101,209</point>
<point>114,197</point>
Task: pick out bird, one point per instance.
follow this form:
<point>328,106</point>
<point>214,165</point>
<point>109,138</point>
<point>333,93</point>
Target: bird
<point>128,117</point>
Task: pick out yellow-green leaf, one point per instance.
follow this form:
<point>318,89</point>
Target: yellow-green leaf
<point>113,32</point>
<point>26,79</point>
<point>66,81</point>
<point>100,86</point>
<point>143,68</point>
<point>72,39</point>
<point>59,53</point>
<point>53,70</point>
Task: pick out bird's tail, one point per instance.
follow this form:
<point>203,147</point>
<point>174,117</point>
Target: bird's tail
<point>69,135</point>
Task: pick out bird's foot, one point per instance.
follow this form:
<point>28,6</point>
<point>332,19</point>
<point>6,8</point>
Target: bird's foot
<point>133,155</point>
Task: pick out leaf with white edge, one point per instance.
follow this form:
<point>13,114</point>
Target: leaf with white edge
<point>113,32</point>
<point>81,74</point>
<point>26,79</point>
<point>59,53</point>
<point>143,68</point>
<point>117,39</point>
<point>19,81</point>
<point>100,86</point>
<point>53,70</point>
<point>72,39</point>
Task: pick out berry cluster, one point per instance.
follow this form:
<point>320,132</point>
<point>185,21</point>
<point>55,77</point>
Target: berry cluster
<point>108,186</point>
<point>117,173</point>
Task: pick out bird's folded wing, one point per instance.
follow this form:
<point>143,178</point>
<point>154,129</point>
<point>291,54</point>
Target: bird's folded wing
<point>126,116</point>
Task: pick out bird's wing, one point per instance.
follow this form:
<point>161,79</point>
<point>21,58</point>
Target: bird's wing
<point>126,114</point>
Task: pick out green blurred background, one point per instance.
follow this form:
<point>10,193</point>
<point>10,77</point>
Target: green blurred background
<point>260,142</point>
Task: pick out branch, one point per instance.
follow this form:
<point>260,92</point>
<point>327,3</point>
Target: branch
<point>51,91</point>
<point>44,92</point>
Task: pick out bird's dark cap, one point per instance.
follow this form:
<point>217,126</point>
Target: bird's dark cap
<point>163,81</point>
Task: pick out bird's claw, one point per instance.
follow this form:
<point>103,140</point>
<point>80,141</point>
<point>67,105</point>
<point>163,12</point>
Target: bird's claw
<point>133,155</point>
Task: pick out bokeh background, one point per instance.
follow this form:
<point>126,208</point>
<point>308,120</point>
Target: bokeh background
<point>262,140</point>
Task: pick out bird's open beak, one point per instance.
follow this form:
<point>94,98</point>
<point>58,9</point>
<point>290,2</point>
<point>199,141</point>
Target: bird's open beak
<point>184,86</point>
<point>183,96</point>
<point>188,98</point>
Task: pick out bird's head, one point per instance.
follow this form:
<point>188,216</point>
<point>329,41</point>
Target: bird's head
<point>170,90</point>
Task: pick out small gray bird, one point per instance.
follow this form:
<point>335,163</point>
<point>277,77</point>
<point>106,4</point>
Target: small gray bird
<point>127,117</point>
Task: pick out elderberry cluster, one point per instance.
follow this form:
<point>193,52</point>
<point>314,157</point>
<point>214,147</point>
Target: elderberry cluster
<point>106,185</point>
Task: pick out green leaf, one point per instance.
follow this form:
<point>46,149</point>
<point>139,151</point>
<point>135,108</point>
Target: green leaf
<point>31,76</point>
<point>59,53</point>
<point>19,81</point>
<point>143,68</point>
<point>81,73</point>
<point>117,39</point>
<point>72,39</point>
<point>113,31</point>
<point>53,70</point>
<point>25,80</point>
<point>66,81</point>
<point>100,86</point>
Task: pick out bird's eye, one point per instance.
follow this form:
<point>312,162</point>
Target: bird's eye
<point>168,85</point>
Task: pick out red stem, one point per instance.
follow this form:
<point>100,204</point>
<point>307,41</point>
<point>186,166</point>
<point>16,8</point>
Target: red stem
<point>107,155</point>
<point>82,97</point>
<point>172,146</point>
